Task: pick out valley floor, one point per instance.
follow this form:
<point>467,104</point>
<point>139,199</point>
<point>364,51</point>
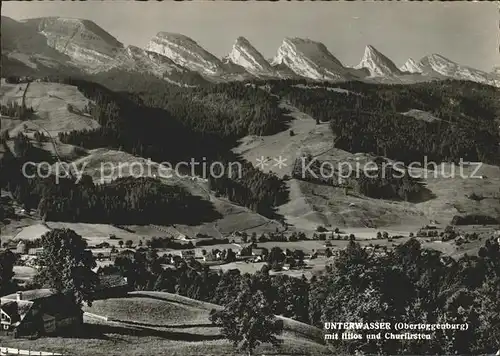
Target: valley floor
<point>310,205</point>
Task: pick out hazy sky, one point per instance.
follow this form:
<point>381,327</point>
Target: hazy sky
<point>462,31</point>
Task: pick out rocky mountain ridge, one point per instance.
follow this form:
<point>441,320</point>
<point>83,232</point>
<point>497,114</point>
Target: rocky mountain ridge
<point>377,64</point>
<point>83,45</point>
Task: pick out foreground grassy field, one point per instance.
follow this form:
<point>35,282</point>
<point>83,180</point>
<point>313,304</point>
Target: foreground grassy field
<point>155,323</point>
<point>150,311</point>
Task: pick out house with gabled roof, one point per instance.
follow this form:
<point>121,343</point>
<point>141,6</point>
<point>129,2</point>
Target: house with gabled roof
<point>38,312</point>
<point>111,286</point>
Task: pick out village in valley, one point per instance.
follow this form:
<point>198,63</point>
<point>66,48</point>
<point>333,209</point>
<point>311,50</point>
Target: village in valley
<point>44,312</point>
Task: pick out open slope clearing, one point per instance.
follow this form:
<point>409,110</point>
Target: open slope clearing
<point>51,116</point>
<point>50,103</point>
<point>312,204</point>
<point>105,165</point>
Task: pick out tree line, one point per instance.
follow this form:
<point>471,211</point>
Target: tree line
<point>128,124</point>
<point>143,200</point>
<point>407,284</point>
<point>179,124</point>
<point>229,110</point>
<point>257,190</point>
<point>382,182</point>
<point>15,110</point>
<point>369,118</point>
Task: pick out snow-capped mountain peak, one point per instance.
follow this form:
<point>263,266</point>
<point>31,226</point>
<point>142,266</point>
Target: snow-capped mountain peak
<point>185,52</point>
<point>77,45</point>
<point>377,64</point>
<point>411,67</point>
<point>247,56</point>
<point>309,59</point>
<point>438,64</point>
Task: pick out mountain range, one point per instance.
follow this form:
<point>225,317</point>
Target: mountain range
<point>67,44</point>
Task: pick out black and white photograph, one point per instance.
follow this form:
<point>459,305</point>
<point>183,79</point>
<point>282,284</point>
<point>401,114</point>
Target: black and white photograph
<point>226,178</point>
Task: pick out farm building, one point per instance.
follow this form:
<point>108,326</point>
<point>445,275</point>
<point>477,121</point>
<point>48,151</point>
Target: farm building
<point>318,252</point>
<point>21,247</point>
<point>183,237</point>
<point>259,254</point>
<point>321,251</point>
<point>187,254</point>
<point>128,253</point>
<point>35,251</point>
<point>212,256</point>
<point>111,286</point>
<point>257,251</point>
<point>38,312</point>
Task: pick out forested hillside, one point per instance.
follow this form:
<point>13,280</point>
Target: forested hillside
<point>228,110</point>
<point>183,124</point>
<point>364,117</point>
<point>147,117</point>
<point>136,128</point>
<point>384,182</point>
<point>142,200</point>
<point>369,118</point>
<point>156,120</point>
